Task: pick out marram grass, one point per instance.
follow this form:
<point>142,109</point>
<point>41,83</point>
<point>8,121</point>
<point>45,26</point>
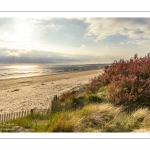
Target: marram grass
<point>100,117</point>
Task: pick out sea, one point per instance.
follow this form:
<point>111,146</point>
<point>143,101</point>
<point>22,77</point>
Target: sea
<point>8,71</point>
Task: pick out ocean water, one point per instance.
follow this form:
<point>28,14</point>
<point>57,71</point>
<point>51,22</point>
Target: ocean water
<point>18,71</point>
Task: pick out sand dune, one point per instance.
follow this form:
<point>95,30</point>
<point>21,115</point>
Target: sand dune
<point>26,93</point>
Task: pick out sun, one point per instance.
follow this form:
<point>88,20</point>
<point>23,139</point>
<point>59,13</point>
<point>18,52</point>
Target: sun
<point>22,31</point>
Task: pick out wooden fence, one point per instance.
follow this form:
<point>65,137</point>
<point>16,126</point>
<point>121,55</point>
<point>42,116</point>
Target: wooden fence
<point>14,115</point>
<point>54,107</point>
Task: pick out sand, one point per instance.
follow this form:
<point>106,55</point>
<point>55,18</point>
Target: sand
<point>37,92</point>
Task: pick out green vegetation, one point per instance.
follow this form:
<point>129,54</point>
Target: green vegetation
<point>115,101</point>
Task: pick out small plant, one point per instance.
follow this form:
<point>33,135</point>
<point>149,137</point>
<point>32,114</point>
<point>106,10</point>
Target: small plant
<point>62,122</point>
<point>94,98</point>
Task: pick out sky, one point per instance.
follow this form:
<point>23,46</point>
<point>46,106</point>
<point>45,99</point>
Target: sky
<point>72,40</point>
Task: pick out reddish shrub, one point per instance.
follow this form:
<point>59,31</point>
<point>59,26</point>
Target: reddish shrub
<point>127,81</point>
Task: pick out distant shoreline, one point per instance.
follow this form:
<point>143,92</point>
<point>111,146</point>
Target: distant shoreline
<point>22,71</point>
<point>50,74</point>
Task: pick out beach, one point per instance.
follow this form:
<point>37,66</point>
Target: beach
<point>37,91</point>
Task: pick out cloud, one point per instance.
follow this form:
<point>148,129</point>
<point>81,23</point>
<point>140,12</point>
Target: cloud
<point>44,33</point>
<point>83,46</point>
<point>143,43</point>
<point>9,53</point>
<point>34,56</point>
<point>102,28</point>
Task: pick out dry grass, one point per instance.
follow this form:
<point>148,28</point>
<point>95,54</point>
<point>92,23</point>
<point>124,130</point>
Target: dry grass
<point>98,117</point>
<point>62,122</point>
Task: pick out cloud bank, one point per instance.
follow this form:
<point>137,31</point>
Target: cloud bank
<point>133,28</point>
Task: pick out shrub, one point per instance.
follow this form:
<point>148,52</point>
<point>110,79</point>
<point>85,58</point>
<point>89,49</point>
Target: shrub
<point>69,95</point>
<point>69,100</point>
<point>127,81</point>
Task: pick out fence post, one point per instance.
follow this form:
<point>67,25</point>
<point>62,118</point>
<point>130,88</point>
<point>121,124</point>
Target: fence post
<point>32,111</point>
<point>9,116</point>
<point>22,113</point>
<point>4,117</point>
<point>54,104</point>
<point>14,115</point>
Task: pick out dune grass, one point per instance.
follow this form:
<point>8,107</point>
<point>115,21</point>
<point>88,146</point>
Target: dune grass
<point>94,117</point>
